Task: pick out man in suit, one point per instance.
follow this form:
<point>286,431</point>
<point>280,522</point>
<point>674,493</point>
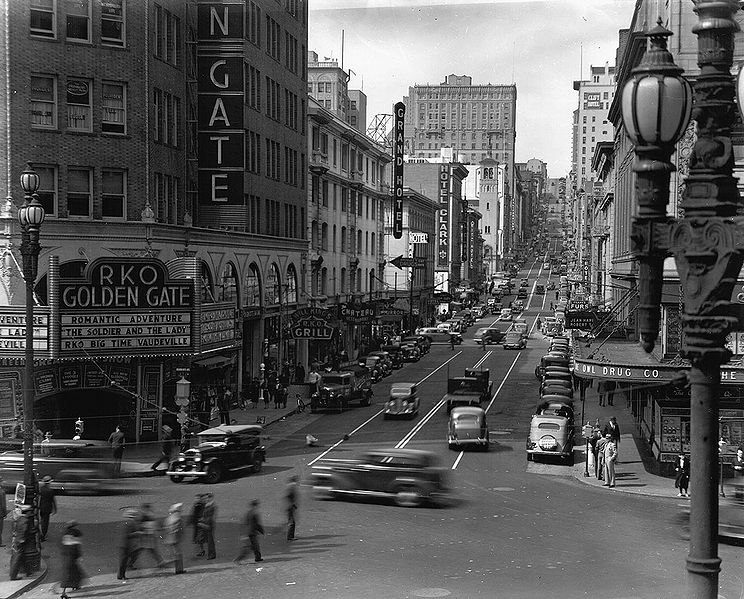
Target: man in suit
<point>613,430</point>
<point>249,538</point>
<point>47,505</point>
<point>682,480</point>
<point>610,456</point>
<point>601,442</point>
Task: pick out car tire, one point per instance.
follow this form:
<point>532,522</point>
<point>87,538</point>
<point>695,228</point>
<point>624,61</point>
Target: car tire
<point>176,479</point>
<point>214,474</point>
<point>408,497</point>
<point>366,399</point>
<point>530,457</point>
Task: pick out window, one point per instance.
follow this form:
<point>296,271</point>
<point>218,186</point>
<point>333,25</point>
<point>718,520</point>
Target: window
<point>273,42</point>
<point>290,52</point>
<point>290,109</point>
<point>290,166</point>
<point>344,199</point>
<point>254,214</point>
<point>167,110</point>
<point>113,29</point>
<point>167,35</point>
<point>44,101</point>
<point>113,103</point>
<point>43,18</point>
<point>253,152</point>
<point>79,109</point>
<point>273,100</point>
<point>78,20</point>
<point>47,191</point>
<point>343,240</point>
<point>273,167</point>
<point>253,24</point>
<point>113,194</point>
<point>79,192</point>
<point>253,87</point>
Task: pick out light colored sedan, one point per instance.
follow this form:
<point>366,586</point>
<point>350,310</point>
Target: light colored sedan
<point>467,427</point>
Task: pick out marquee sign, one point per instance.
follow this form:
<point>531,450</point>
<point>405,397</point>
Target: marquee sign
<point>218,326</point>
<point>310,323</point>
<point>583,320</point>
<point>13,330</point>
<point>443,224</point>
<point>398,149</point>
<point>220,103</point>
<point>125,306</point>
<point>358,313</point>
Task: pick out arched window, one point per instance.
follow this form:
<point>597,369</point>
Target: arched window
<point>333,247</point>
<point>324,236</point>
<point>374,247</point>
<point>252,287</point>
<point>207,285</point>
<point>359,245</point>
<point>342,286</point>
<point>372,279</point>
<point>314,236</point>
<point>272,292</point>
<point>228,287</point>
<point>352,241</point>
<point>343,239</point>
<point>335,282</point>
<point>359,279</point>
<point>291,296</point>
<point>324,281</point>
<point>366,242</point>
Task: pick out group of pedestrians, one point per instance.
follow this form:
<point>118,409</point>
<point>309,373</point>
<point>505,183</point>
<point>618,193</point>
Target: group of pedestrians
<point>604,444</point>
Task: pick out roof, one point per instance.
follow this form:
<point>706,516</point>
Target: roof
<point>402,452</point>
<point>474,410</point>
<point>231,429</point>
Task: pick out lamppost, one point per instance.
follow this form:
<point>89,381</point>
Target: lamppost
<point>656,104</point>
<point>30,216</point>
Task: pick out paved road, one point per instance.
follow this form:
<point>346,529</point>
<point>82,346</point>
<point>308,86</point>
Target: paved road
<point>518,529</point>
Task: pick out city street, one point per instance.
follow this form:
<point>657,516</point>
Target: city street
<point>517,529</point>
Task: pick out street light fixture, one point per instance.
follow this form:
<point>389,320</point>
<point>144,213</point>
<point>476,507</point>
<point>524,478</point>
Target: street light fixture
<point>31,216</point>
<point>655,107</point>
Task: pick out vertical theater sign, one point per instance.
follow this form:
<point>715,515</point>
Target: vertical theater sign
<point>398,149</point>
<point>220,99</point>
<point>443,222</point>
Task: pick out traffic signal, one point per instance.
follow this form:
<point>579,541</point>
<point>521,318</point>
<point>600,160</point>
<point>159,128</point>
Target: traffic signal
<point>79,426</point>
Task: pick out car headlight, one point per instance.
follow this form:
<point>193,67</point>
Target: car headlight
<point>197,458</point>
<point>391,403</point>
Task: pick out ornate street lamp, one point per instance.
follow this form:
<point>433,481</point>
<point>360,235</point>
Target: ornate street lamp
<point>31,216</point>
<point>704,242</point>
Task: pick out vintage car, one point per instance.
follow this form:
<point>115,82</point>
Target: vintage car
<point>550,435</point>
<point>77,466</point>
<point>437,335</point>
<point>517,306</point>
<point>553,406</point>
<point>552,387</point>
<point>521,327</point>
<point>396,353</point>
<point>411,351</point>
<point>488,335</point>
<point>467,427</point>
<point>220,451</point>
<point>540,289</point>
<point>410,477</point>
<point>404,401</point>
<point>374,365</point>
<point>336,390</point>
<point>423,343</point>
<point>468,390</point>
<point>387,360</point>
<point>522,293</point>
<point>514,340</point>
<point>506,314</point>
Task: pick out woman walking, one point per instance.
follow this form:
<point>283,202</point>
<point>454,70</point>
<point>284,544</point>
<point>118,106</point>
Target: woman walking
<point>72,573</point>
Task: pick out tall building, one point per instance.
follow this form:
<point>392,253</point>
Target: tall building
<point>328,84</point>
<point>169,138</point>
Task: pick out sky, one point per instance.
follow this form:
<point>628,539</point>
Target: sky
<point>540,45</point>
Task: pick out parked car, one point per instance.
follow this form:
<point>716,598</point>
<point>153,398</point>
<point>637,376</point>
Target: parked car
<point>410,351</point>
<point>550,436</point>
<point>221,450</point>
<point>522,293</point>
<point>396,353</point>
<point>423,343</point>
<point>467,427</point>
<point>410,477</point>
<point>540,289</point>
<point>404,401</point>
<point>514,340</point>
<point>336,390</point>
<point>374,365</point>
<point>517,306</point>
<point>387,360</point>
<point>437,335</point>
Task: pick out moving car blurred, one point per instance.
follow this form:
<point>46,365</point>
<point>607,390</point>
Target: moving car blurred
<point>437,335</point>
<point>219,451</point>
<point>467,427</point>
<point>410,477</point>
<point>404,401</point>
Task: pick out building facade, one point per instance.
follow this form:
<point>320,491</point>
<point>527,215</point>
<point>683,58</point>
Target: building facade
<point>170,141</point>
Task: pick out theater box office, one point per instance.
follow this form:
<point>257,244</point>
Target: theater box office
<point>109,344</point>
<point>659,399</point>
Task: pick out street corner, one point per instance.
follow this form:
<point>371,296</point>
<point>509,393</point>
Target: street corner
<point>9,589</point>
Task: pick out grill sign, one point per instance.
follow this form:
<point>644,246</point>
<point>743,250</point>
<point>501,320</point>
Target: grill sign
<point>310,323</point>
<point>398,147</point>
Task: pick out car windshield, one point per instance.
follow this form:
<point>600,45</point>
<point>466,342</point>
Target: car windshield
<point>333,380</point>
<point>211,441</point>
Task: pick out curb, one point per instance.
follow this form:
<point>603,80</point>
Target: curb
<point>151,473</point>
<point>9,589</point>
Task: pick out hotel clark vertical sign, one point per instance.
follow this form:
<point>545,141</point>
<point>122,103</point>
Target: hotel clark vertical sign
<point>125,306</point>
<point>398,149</point>
<point>220,99</point>
<point>443,225</point>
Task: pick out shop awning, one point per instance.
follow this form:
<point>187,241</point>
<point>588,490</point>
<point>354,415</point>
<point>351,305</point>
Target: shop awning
<point>212,362</point>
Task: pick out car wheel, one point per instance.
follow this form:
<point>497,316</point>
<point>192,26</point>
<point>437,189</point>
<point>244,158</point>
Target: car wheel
<point>176,479</point>
<point>214,474</point>
<point>408,497</point>
<point>257,464</point>
<point>530,457</point>
<point>365,400</point>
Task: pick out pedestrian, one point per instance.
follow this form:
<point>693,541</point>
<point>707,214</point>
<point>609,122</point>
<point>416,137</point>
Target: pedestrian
<point>452,342</point>
<point>173,536</point>
<point>282,393</point>
<point>610,456</point>
<point>3,510</point>
<point>127,542</point>
<point>601,392</point>
<point>285,376</point>
<point>116,441</point>
<point>196,513</point>
<point>228,398</point>
<point>252,527</point>
<point>71,550</point>
<point>277,396</point>
<point>682,480</point>
<point>614,431</point>
<point>538,324</point>
<point>166,449</point>
<point>551,306</point>
<point>610,387</point>
<point>47,505</point>
<point>601,443</point>
<point>290,498</point>
<point>223,406</point>
<point>271,381</point>
<point>147,529</point>
<point>22,544</point>
<point>556,296</point>
<point>299,373</point>
<point>593,447</point>
<point>207,523</point>
<point>46,444</point>
<point>313,379</point>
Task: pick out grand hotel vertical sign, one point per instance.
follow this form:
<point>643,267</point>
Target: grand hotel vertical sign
<point>221,94</point>
<point>398,149</point>
<point>443,224</point>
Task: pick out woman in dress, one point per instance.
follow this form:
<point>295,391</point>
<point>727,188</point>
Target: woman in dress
<point>72,573</point>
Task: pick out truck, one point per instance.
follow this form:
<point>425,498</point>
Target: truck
<point>336,390</point>
<point>469,390</point>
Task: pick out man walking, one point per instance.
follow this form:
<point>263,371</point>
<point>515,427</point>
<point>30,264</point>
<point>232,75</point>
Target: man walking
<point>252,528</point>
<point>127,542</point>
<point>207,524</point>
<point>610,387</point>
<point>116,441</point>
<point>173,536</point>
<point>166,449</point>
<point>223,406</point>
<point>3,510</point>
<point>610,454</point>
<point>452,342</point>
<point>290,498</point>
<point>47,505</point>
<point>22,543</point>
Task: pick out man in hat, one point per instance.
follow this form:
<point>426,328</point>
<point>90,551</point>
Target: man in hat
<point>291,506</point>
<point>3,510</point>
<point>127,542</point>
<point>173,536</point>
<point>47,505</point>
<point>166,449</point>
<point>208,522</point>
<point>252,527</point>
<point>116,441</point>
<point>22,542</point>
